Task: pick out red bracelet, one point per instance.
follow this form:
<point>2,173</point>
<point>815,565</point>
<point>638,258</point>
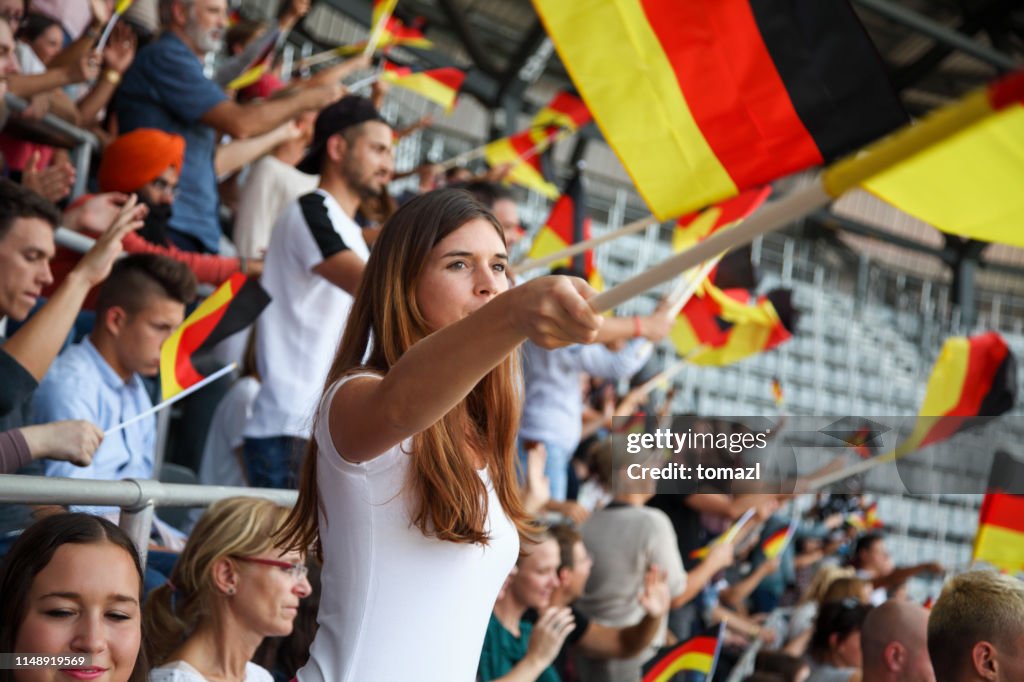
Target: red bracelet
<point>638,329</point>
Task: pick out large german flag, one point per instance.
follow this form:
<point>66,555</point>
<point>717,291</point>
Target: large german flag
<point>526,151</point>
<point>185,356</point>
<point>695,659</point>
<point>718,327</point>
<point>568,224</point>
<point>704,98</point>
<point>968,185</point>
<point>438,85</point>
<point>973,377</point>
<point>565,110</point>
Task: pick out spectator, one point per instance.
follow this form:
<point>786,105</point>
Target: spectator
<point>415,438</point>
<point>230,588</point>
<point>27,222</point>
<point>272,184</point>
<point>894,644</point>
<point>592,638</point>
<point>146,162</point>
<point>835,653</point>
<point>8,62</point>
<point>314,264</point>
<point>73,441</point>
<point>976,629</point>
<point>72,584</point>
<point>100,379</point>
<point>512,649</point>
<point>801,623</point>
<point>871,560</point>
<point>165,88</point>
<point>626,539</point>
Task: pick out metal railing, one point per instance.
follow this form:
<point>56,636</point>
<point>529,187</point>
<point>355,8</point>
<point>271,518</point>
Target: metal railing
<point>137,499</point>
<point>59,133</point>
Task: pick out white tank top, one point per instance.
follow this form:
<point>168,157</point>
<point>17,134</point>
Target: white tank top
<point>395,604</point>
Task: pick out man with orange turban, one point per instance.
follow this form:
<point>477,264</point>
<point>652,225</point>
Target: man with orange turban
<point>146,162</point>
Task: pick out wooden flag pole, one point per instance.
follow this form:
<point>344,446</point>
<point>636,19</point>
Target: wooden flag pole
<point>837,179</point>
<point>688,285</point>
<point>170,401</point>
<point>580,247</point>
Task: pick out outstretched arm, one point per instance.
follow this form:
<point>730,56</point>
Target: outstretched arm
<point>437,373</point>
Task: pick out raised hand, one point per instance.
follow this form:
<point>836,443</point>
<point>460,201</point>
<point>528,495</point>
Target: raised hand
<point>96,263</point>
<point>549,633</point>
<point>654,597</point>
<point>54,183</point>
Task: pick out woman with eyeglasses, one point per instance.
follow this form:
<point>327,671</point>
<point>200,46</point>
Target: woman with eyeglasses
<point>230,588</point>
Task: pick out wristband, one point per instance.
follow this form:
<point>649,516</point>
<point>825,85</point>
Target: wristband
<point>638,329</point>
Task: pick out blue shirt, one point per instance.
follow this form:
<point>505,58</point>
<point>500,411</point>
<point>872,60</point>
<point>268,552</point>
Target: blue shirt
<point>553,407</point>
<point>165,88</point>
<point>81,385</point>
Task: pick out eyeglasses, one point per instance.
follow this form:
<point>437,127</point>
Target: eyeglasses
<point>161,185</point>
<point>296,571</point>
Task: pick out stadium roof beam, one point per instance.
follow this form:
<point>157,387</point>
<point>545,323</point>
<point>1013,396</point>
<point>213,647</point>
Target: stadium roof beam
<point>465,36</point>
<point>972,23</point>
<point>942,34</point>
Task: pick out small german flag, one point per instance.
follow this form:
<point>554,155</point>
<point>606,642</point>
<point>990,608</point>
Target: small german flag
<point>568,224</point>
<point>777,542</point>
<point>972,377</point>
<point>185,356</point>
<point>438,85</point>
<point>565,110</point>
<point>696,658</point>
<point>719,328</point>
<point>777,393</point>
<point>704,98</point>
<point>394,32</point>
<point>1000,538</point>
<point>256,68</point>
<point>526,151</point>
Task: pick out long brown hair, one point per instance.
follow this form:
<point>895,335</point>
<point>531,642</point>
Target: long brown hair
<point>449,499</point>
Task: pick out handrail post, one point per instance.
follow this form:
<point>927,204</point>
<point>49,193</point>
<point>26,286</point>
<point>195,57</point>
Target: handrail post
<point>138,523</point>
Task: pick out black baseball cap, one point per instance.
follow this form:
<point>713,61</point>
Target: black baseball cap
<point>348,111</point>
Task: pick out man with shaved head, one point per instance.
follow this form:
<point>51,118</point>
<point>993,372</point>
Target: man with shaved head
<point>976,629</point>
<point>894,644</point>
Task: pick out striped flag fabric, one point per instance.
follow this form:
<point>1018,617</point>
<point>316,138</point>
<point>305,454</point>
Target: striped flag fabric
<point>704,98</point>
<point>568,224</point>
<point>776,543</point>
<point>440,85</point>
<point>695,659</point>
<point>526,151</point>
<point>728,536</point>
<point>393,31</point>
<point>973,376</point>
<point>777,393</point>
<point>695,227</point>
<point>968,185</point>
<point>718,327</point>
<point>1000,537</point>
<point>565,110</point>
<point>185,357</point>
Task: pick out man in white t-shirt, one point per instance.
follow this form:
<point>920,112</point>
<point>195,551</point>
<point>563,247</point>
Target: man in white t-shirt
<point>313,266</point>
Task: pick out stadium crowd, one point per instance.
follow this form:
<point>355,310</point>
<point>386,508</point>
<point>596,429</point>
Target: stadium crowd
<point>461,514</point>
